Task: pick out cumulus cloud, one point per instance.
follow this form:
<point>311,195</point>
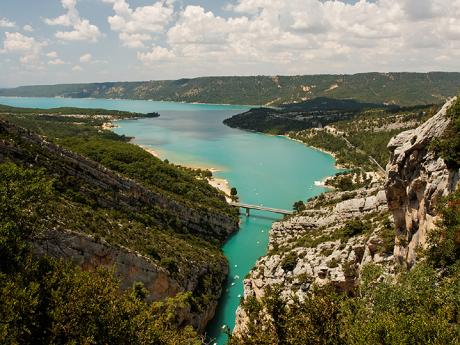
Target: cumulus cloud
<point>308,36</point>
<point>77,68</point>
<point>82,29</point>
<point>139,25</point>
<point>28,48</point>
<point>28,28</point>
<point>56,62</point>
<point>155,55</point>
<point>52,55</point>
<point>86,58</point>
<point>6,23</point>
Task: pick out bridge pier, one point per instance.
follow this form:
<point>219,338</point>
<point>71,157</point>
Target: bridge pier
<point>247,211</point>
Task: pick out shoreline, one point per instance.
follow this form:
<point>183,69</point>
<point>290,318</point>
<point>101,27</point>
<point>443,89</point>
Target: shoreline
<point>145,100</point>
<point>330,153</point>
<point>217,182</point>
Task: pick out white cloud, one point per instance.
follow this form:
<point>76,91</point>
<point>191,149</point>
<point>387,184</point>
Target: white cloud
<point>28,28</point>
<point>77,68</point>
<point>29,49</point>
<point>155,55</point>
<point>307,36</point>
<point>52,55</point>
<point>56,62</point>
<point>6,23</point>
<point>82,29</point>
<point>86,58</point>
<point>142,24</point>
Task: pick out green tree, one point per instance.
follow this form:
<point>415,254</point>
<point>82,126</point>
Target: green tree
<point>299,206</point>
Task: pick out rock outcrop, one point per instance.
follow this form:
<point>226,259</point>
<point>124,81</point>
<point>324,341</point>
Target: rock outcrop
<point>311,248</point>
<point>416,180</point>
<point>129,266</point>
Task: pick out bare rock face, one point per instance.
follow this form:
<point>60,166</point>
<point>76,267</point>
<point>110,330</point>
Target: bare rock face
<point>416,180</point>
<point>90,254</point>
<point>129,266</point>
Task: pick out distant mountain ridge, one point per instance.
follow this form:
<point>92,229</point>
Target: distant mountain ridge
<point>389,88</point>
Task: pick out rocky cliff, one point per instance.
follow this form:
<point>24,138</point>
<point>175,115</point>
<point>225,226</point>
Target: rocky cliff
<point>126,193</point>
<point>327,243</point>
<point>416,180</point>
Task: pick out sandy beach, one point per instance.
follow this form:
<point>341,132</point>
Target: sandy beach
<point>221,184</point>
<point>218,183</point>
<point>338,166</point>
<point>150,150</point>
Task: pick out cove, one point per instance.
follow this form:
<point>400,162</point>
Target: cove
<point>268,170</point>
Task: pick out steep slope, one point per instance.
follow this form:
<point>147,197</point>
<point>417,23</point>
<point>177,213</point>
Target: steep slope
<point>391,88</point>
<point>417,180</point>
<point>99,218</point>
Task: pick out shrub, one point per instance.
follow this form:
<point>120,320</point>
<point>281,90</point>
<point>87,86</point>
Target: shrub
<point>299,206</point>
<point>289,262</point>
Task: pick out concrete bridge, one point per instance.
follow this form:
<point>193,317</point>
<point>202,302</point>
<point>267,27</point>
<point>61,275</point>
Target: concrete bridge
<point>260,208</point>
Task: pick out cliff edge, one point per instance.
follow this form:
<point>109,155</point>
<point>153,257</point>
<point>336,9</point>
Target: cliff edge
<point>416,180</point>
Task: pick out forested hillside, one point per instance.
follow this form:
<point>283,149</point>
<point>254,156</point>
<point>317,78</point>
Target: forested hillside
<point>391,88</point>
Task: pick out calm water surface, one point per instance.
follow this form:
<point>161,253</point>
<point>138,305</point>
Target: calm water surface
<point>267,170</point>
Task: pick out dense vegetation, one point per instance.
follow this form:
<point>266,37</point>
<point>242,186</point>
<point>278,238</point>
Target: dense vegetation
<point>75,112</point>
<point>367,135</point>
<point>44,190</point>
<point>313,113</point>
<point>90,207</point>
<point>391,88</point>
<point>417,307</point>
<point>48,301</point>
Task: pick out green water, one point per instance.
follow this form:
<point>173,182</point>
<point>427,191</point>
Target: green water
<point>268,170</point>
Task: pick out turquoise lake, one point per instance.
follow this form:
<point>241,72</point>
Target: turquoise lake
<point>268,170</point>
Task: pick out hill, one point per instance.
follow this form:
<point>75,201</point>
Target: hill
<point>316,112</point>
<point>390,88</point>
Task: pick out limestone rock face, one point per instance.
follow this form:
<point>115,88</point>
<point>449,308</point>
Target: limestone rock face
<point>90,254</point>
<point>326,259</point>
<point>129,266</point>
<point>416,180</point>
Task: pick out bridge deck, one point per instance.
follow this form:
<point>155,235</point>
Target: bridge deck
<point>261,208</point>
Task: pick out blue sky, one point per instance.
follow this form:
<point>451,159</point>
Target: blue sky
<point>59,41</point>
